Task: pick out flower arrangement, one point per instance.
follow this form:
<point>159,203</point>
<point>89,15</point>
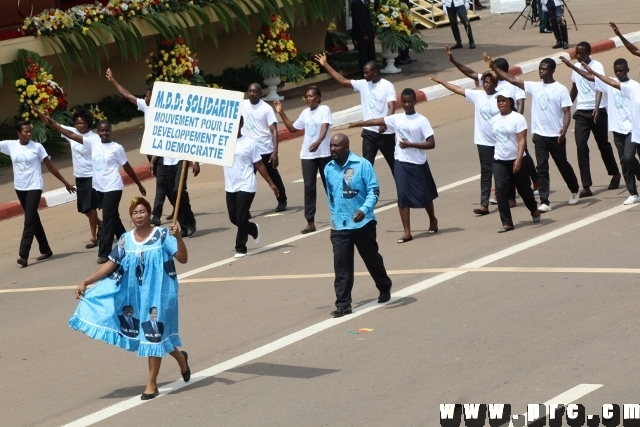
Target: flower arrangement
<point>95,111</point>
<point>395,29</point>
<point>335,41</point>
<point>174,63</point>
<point>275,52</point>
<point>38,88</point>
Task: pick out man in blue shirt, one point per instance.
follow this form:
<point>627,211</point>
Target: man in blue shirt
<point>352,192</point>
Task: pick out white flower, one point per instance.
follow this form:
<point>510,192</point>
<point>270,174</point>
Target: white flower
<point>124,6</point>
<point>385,24</point>
<point>394,14</point>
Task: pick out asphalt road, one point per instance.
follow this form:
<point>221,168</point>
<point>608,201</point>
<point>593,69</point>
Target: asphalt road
<point>476,316</point>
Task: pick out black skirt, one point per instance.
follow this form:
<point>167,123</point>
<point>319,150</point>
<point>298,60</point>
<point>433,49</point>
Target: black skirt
<point>415,185</point>
<point>87,198</point>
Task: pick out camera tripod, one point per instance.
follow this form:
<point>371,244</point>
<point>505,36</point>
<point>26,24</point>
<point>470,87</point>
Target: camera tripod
<point>531,11</point>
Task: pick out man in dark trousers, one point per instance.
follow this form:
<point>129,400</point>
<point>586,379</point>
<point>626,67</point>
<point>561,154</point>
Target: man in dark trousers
<point>362,31</point>
<point>352,193</point>
<point>458,9</point>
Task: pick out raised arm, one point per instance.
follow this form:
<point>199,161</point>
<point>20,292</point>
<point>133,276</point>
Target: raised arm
<point>121,90</point>
<point>287,122</point>
<point>371,122</point>
<point>635,50</point>
<point>605,79</point>
<point>583,73</point>
<point>342,80</point>
<point>453,88</point>
<point>54,171</point>
<point>462,68</point>
<point>58,128</point>
<point>501,74</point>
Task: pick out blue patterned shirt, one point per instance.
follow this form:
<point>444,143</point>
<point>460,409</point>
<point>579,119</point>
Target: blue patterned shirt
<point>350,188</point>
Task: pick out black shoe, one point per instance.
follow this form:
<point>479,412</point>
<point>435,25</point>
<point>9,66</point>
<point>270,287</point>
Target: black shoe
<point>282,206</point>
<point>456,46</point>
<point>401,61</point>
<point>183,232</point>
<point>409,59</point>
<point>186,376</point>
<point>190,231</point>
<point>102,260</point>
<point>384,298</point>
<point>23,261</point>
<point>565,45</point>
<point>587,193</point>
<point>170,217</point>
<point>472,45</point>
<point>341,311</point>
<point>50,254</point>
<point>615,182</point>
<point>155,221</point>
<point>545,30</point>
<point>558,45</point>
<point>149,396</point>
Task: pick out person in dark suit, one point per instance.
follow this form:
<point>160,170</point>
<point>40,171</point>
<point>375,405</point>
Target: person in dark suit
<point>152,328</point>
<point>362,31</point>
<point>129,325</point>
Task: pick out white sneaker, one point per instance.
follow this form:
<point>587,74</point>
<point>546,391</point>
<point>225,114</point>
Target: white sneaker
<point>493,201</point>
<point>544,208</point>
<point>239,255</point>
<point>634,198</point>
<point>256,239</point>
<point>536,192</point>
<point>575,197</point>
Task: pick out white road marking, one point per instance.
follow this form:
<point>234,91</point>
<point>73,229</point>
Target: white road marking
<point>379,156</point>
<point>564,399</point>
<point>357,312</point>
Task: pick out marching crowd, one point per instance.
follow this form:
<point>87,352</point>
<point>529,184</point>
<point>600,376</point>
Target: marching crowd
<point>145,254</point>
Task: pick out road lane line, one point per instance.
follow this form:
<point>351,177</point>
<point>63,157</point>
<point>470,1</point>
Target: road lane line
<point>563,399</point>
<point>329,323</point>
<point>555,270</point>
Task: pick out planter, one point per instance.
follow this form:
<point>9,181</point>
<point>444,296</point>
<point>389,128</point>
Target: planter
<point>390,57</point>
<point>272,84</point>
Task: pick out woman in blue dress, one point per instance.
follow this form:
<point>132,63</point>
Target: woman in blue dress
<point>134,305</point>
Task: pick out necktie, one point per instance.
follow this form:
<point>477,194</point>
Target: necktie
<point>155,327</point>
<point>130,322</point>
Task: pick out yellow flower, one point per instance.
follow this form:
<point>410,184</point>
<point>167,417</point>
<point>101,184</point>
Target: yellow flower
<point>21,82</point>
<point>88,21</point>
<point>120,18</point>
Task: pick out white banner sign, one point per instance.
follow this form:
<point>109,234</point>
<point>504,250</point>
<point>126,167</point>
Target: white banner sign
<point>192,123</point>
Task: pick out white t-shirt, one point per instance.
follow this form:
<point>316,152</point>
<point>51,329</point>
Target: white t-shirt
<point>618,110</point>
<point>505,86</point>
<point>413,128</point>
<point>142,106</point>
<point>80,155</point>
<point>257,119</point>
<point>486,106</point>
<point>26,159</point>
<point>547,102</point>
<point>375,98</point>
<point>107,159</point>
<point>506,129</point>
<point>311,121</point>
<point>631,90</point>
<point>586,99</point>
<point>240,176</point>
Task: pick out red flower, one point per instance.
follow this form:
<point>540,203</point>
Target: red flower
<point>180,40</point>
<point>62,103</point>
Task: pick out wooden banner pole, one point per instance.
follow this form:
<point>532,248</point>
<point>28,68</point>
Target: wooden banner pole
<point>176,208</point>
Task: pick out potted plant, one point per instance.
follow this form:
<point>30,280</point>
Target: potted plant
<point>174,63</point>
<point>396,31</point>
<point>274,57</point>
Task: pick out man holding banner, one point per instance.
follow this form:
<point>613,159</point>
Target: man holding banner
<point>261,125</point>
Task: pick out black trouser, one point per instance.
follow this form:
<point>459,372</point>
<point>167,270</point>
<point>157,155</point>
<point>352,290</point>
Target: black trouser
<point>627,150</point>
<point>545,146</point>
<point>29,200</point>
<point>455,12</point>
<point>111,223</point>
<point>364,239</point>
<point>485,154</point>
<point>504,176</point>
<point>163,187</point>
<point>374,141</point>
<point>186,219</point>
<point>530,167</point>
<point>557,22</point>
<point>275,177</point>
<point>238,206</point>
<point>366,52</point>
<point>583,128</point>
<point>310,169</point>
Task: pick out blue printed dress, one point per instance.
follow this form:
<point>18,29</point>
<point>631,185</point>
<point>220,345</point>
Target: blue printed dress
<point>136,306</point>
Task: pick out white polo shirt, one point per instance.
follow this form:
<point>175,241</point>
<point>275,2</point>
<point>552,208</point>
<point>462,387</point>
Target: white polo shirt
<point>240,176</point>
<point>257,119</point>
<point>27,163</point>
<point>106,159</point>
<point>375,98</point>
